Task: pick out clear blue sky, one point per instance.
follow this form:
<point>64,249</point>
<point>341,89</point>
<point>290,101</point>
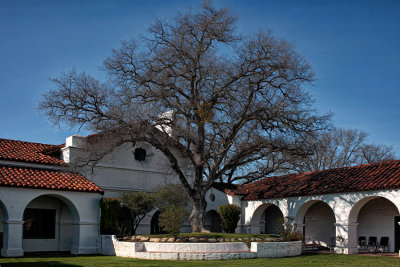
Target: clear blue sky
<point>353,47</point>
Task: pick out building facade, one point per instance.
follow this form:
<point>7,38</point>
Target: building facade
<point>46,206</point>
<point>352,203</point>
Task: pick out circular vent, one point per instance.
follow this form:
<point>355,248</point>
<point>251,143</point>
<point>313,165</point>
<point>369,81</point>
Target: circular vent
<point>140,154</point>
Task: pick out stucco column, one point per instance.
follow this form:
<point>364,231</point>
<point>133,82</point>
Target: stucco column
<point>352,238</point>
<point>299,227</point>
<point>347,231</point>
<point>255,228</point>
<point>12,239</point>
<point>85,239</point>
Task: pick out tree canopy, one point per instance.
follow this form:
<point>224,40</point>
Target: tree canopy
<point>235,106</point>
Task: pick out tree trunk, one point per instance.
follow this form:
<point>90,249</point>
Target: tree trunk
<point>197,215</point>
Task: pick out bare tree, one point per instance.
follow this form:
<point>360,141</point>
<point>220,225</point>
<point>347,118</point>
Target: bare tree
<point>337,148</point>
<point>372,153</point>
<point>235,106</point>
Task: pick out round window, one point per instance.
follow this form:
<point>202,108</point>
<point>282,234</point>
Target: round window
<point>212,197</point>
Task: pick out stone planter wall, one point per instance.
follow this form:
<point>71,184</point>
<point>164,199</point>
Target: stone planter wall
<point>277,249</point>
<point>197,251</point>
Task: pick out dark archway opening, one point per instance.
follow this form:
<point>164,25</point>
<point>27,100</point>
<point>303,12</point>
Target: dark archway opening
<point>155,228</point>
<point>213,222</point>
<point>271,220</point>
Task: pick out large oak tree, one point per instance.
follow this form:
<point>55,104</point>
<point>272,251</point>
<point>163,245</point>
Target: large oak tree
<point>233,105</point>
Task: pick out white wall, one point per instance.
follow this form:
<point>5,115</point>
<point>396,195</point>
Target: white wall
<point>345,206</point>
<point>120,172</point>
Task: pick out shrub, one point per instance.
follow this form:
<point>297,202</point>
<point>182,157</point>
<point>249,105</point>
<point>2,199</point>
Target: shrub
<point>287,230</point>
<point>139,205</point>
<point>172,218</point>
<point>230,215</point>
<point>173,202</point>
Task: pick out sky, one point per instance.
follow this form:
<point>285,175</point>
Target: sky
<point>352,46</point>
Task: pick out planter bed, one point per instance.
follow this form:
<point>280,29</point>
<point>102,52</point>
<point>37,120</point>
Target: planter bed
<point>179,250</point>
<point>200,239</point>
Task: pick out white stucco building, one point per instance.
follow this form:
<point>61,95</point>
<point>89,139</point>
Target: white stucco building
<point>44,206</point>
<point>351,202</point>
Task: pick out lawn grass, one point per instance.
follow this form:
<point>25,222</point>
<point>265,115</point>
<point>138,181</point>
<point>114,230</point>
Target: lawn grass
<point>323,260</point>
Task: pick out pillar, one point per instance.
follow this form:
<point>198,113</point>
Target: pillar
<point>12,239</point>
<point>347,232</point>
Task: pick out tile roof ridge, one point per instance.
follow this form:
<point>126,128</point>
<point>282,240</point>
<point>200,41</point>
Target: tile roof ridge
<point>349,167</point>
<point>28,142</point>
<point>321,171</point>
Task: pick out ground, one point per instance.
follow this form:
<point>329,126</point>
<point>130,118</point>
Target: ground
<point>304,260</point>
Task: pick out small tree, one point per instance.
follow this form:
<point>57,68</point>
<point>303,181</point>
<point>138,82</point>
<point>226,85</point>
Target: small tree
<point>230,215</point>
<point>173,202</point>
<point>172,218</point>
<point>139,205</point>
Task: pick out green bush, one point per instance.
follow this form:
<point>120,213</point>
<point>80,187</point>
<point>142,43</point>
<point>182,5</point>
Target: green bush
<point>173,202</point>
<point>230,215</point>
<point>171,195</point>
<point>172,218</point>
<point>287,230</point>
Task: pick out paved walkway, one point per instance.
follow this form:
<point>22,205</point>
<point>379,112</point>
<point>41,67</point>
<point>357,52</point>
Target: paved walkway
<point>364,253</point>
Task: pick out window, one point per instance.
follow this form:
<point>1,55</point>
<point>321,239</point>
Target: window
<point>140,154</point>
<point>39,223</point>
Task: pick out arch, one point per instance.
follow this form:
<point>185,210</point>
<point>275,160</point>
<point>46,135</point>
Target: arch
<point>271,220</point>
<point>374,216</point>
<point>4,211</point>
<point>212,221</point>
<point>154,227</point>
<point>318,222</point>
<point>50,224</point>
<point>266,218</point>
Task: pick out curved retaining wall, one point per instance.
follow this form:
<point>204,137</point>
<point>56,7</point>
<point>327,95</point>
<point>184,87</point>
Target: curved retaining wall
<point>198,251</point>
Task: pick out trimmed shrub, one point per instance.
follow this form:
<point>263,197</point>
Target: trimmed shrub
<point>230,215</point>
<point>172,219</point>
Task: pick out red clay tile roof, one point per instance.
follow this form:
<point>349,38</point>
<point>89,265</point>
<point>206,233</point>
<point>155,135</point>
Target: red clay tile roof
<point>378,176</point>
<point>45,179</point>
<point>30,152</point>
<point>225,187</point>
